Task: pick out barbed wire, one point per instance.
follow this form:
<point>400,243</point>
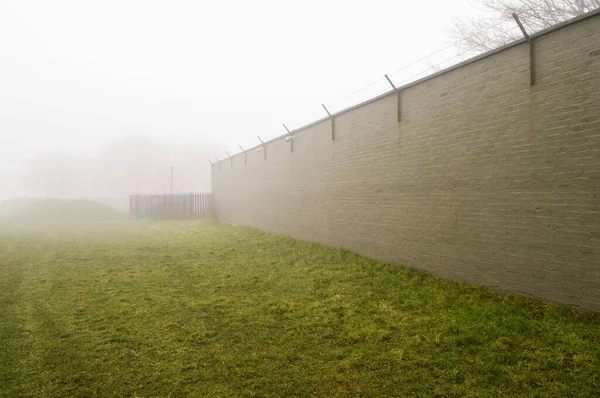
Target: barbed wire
<point>449,46</point>
<point>431,69</point>
<point>462,56</point>
<point>357,92</point>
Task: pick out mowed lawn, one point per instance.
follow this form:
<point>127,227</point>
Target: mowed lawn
<point>200,308</point>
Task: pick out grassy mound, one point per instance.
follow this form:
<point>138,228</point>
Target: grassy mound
<point>15,205</point>
<point>58,211</point>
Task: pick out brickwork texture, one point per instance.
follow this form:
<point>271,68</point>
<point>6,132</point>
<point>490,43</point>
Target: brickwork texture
<point>484,179</point>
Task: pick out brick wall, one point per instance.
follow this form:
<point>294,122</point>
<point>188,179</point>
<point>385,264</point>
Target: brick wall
<point>485,178</point>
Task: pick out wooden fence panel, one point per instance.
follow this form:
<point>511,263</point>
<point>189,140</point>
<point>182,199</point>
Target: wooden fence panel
<point>171,206</point>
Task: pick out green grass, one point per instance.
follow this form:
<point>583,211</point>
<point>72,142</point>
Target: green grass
<point>204,309</point>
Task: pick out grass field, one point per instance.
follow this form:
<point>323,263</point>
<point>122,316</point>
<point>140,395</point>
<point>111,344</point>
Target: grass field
<point>158,309</point>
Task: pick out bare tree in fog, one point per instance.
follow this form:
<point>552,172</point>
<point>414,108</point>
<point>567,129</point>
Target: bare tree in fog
<point>487,33</point>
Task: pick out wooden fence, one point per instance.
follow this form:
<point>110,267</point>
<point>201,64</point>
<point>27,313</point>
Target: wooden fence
<point>181,206</point>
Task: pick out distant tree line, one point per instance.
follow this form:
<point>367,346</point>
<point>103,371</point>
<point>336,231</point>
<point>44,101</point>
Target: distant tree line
<point>132,165</point>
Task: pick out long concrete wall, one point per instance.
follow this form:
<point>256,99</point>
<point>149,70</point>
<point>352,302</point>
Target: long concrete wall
<point>484,179</point>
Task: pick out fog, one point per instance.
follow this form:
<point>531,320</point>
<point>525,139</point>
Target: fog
<point>100,99</point>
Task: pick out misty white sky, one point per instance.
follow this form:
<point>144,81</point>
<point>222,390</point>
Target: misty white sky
<point>78,74</point>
